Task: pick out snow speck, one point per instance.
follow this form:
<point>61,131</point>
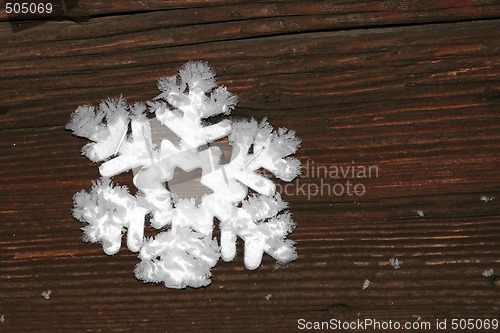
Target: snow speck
<point>420,213</point>
<point>488,272</point>
<point>46,294</point>
<point>394,263</point>
<point>366,284</point>
<point>2,319</point>
<point>268,297</point>
<point>485,198</point>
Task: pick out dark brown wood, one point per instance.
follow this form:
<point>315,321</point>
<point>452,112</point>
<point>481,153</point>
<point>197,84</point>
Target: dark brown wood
<point>408,88</point>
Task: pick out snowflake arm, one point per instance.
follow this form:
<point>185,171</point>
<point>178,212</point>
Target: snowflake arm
<point>193,96</point>
<point>179,258</point>
<point>263,230</point>
<point>104,126</point>
<point>108,211</point>
<point>134,151</point>
<point>276,146</point>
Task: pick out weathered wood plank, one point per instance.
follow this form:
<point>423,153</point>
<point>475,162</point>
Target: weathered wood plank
<point>419,102</point>
<point>340,14</point>
<point>436,62</point>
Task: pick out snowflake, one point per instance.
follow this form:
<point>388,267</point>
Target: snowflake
<point>177,131</point>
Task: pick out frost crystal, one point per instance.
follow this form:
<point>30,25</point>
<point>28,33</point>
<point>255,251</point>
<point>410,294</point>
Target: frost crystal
<point>46,294</point>
<point>175,131</point>
<point>394,263</point>
<point>488,272</point>
<point>485,198</point>
<point>366,284</point>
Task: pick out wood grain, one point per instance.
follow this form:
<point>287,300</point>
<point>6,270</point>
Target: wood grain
<point>409,88</point>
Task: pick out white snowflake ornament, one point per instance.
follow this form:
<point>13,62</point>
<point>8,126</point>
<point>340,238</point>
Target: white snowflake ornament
<point>173,132</point>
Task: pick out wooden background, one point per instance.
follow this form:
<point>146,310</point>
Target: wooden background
<point>411,87</point>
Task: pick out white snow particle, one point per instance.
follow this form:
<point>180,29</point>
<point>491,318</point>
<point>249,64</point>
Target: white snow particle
<point>366,284</point>
<point>2,319</point>
<point>394,263</point>
<point>46,294</point>
<point>268,297</point>
<point>485,198</point>
<point>420,213</point>
<point>488,272</point>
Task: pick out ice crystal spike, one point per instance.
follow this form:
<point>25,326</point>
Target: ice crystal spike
<point>174,135</point>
